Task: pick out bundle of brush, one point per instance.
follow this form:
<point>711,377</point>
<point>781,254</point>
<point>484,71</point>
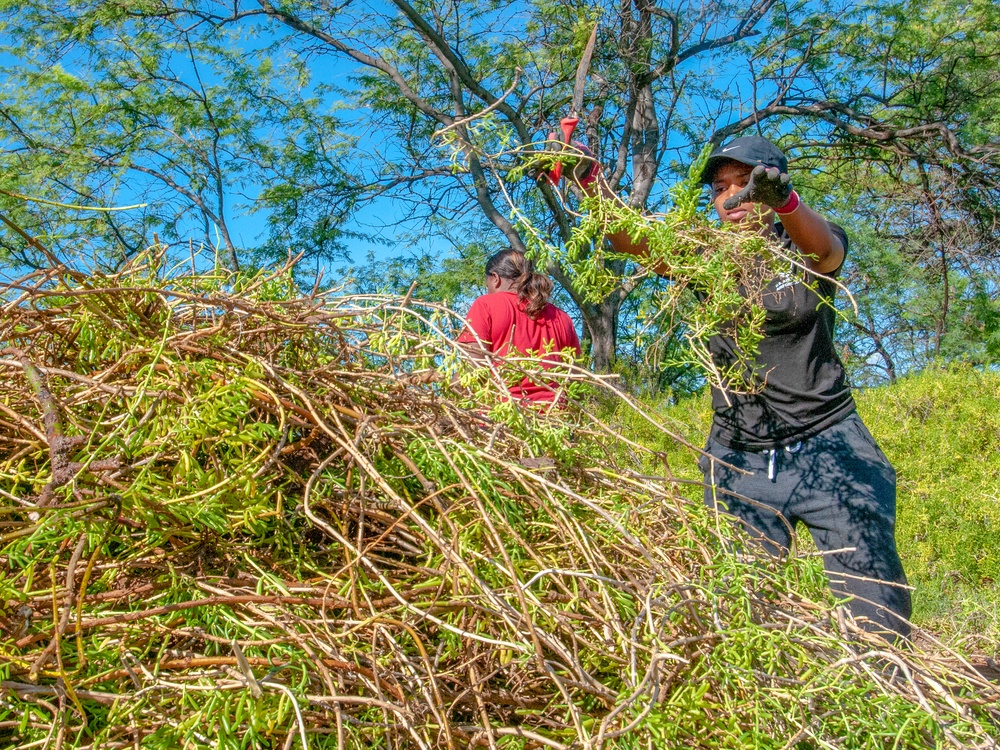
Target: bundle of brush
<point>237,517</point>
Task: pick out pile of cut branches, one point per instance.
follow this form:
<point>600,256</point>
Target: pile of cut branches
<point>237,517</point>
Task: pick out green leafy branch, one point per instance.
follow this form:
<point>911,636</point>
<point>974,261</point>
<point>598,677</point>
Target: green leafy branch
<point>725,269</point>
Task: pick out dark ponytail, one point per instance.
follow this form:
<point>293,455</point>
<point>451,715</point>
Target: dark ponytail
<point>534,289</point>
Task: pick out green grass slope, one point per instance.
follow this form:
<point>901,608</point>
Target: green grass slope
<point>941,429</point>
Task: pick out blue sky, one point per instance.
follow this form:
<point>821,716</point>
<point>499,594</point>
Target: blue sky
<point>381,218</point>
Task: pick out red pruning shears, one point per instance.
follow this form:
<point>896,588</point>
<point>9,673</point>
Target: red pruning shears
<point>568,124</point>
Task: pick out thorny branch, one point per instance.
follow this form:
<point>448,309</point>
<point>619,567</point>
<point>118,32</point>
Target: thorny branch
<point>302,514</point>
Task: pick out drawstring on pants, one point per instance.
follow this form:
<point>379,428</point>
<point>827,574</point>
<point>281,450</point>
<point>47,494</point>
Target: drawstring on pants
<point>772,458</point>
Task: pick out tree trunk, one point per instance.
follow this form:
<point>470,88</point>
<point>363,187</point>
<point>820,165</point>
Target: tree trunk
<point>601,322</point>
<point>872,332</point>
<point>941,328</point>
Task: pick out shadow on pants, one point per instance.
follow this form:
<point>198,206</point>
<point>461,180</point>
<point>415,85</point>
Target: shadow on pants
<point>841,486</point>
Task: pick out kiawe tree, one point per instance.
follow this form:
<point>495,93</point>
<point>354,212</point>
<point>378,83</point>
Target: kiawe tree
<point>909,146</point>
<point>448,98</point>
<point>457,91</point>
<point>452,91</point>
<point>102,108</point>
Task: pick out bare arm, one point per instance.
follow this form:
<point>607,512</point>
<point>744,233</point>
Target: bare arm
<point>821,248</point>
<point>771,188</point>
<point>809,231</point>
<point>620,241</point>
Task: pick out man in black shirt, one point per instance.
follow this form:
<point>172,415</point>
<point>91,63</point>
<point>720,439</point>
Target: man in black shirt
<point>810,458</point>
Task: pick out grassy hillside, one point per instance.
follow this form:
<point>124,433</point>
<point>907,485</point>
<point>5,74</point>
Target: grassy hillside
<point>235,518</point>
<point>941,429</point>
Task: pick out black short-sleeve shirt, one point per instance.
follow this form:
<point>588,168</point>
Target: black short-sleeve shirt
<point>805,386</point>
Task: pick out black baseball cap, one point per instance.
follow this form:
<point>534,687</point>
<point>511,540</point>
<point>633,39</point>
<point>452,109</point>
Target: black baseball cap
<point>750,149</point>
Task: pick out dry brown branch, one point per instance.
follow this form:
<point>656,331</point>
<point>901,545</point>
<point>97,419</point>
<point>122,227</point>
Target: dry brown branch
<point>268,500</point>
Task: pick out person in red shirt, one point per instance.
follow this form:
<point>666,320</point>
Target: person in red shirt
<point>515,318</point>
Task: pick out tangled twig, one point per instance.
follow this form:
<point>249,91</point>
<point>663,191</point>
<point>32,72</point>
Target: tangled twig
<point>278,516</point>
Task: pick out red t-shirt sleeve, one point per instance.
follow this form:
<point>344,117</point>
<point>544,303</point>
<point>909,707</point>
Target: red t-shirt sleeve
<point>479,319</point>
<point>491,318</point>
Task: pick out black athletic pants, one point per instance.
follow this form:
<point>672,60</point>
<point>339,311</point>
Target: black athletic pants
<point>843,488</point>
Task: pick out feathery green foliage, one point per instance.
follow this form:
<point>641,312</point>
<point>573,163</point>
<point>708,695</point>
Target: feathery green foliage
<point>726,267</point>
<point>237,518</point>
<point>939,428</point>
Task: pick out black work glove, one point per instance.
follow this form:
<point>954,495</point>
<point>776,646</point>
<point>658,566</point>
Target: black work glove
<point>768,186</point>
